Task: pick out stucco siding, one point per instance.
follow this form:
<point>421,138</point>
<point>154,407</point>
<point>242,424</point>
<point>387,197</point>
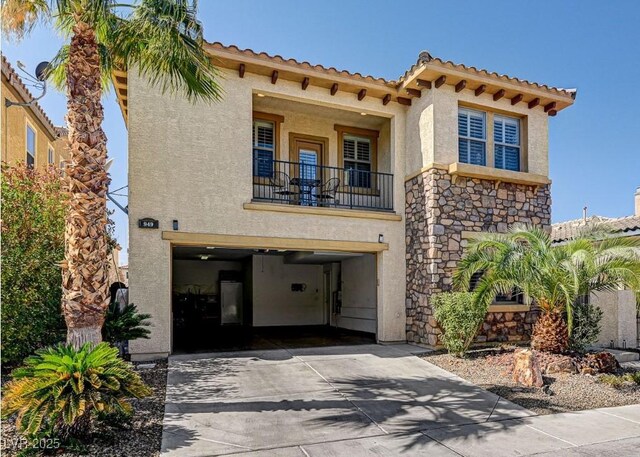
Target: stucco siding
<point>14,133</point>
<point>432,135</point>
<point>192,163</point>
<point>619,323</point>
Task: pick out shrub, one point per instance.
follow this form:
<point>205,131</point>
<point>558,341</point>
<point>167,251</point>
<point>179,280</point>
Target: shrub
<point>32,229</point>
<point>586,326</point>
<point>60,391</point>
<point>124,324</point>
<point>459,316</point>
<point>624,380</point>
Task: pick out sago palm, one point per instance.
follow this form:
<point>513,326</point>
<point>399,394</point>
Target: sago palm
<point>159,39</point>
<point>60,389</point>
<point>555,277</point>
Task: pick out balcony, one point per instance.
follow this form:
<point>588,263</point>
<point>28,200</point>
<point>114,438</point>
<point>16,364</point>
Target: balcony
<point>308,184</point>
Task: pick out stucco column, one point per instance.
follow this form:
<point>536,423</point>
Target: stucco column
<point>150,290</point>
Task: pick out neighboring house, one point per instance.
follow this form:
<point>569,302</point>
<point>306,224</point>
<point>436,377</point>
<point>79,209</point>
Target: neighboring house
<point>124,274</point>
<point>620,320</point>
<point>312,196</point>
<point>117,272</point>
<point>28,135</point>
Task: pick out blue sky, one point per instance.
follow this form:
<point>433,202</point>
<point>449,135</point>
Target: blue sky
<point>591,45</point>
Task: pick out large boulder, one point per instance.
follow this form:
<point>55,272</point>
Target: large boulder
<point>526,369</point>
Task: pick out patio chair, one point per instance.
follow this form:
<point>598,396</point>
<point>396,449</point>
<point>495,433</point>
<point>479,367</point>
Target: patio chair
<point>281,185</point>
<point>327,192</point>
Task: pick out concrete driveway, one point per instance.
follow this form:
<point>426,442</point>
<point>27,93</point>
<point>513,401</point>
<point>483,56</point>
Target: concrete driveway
<point>346,400</point>
<point>317,398</point>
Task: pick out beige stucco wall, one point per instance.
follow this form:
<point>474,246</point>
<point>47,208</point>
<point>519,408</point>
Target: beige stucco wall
<point>420,138</point>
<point>432,129</point>
<point>193,163</point>
<point>359,305</point>
<point>323,126</point>
<point>619,321</point>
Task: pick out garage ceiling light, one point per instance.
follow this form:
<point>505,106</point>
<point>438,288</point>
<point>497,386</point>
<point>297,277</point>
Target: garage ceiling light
<point>204,257</point>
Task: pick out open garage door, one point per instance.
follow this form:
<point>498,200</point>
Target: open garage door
<point>225,299</point>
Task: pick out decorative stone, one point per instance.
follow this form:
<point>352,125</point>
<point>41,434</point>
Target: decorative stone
<point>436,214</point>
<point>526,369</point>
<point>564,365</point>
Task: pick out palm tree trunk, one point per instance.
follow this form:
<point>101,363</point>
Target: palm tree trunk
<point>84,276</point>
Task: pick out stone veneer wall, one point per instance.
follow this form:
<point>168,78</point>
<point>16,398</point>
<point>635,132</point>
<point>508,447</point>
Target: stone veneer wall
<point>438,211</point>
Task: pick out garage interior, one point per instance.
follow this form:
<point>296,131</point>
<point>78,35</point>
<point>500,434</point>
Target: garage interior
<point>238,299</point>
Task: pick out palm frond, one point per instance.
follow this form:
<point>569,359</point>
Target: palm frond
<point>162,40</point>
<point>554,276</point>
<point>19,17</point>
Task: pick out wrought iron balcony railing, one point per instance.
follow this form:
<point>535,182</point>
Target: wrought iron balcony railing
<point>307,184</point>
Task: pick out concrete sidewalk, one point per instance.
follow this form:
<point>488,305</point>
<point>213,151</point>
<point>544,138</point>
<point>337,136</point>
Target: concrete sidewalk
<point>363,400</point>
<point>613,431</point>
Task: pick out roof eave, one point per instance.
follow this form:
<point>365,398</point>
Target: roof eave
<point>431,70</point>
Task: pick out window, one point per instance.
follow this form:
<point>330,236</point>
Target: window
<point>31,146</point>
<point>63,166</point>
<point>357,160</point>
<point>263,148</point>
<point>50,155</point>
<point>357,154</point>
<point>506,137</point>
<point>514,297</point>
<point>472,137</point>
<point>265,138</point>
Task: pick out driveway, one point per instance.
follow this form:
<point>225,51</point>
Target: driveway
<point>353,400</point>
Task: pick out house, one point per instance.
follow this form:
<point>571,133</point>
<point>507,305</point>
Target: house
<point>116,273</point>
<point>311,196</point>
<point>621,319</point>
<point>28,135</point>
<point>124,274</point>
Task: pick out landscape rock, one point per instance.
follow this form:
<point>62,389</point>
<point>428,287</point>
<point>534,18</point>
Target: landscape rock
<point>599,362</point>
<point>526,369</point>
<point>563,365</point>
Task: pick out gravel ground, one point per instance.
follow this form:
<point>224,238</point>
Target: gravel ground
<point>490,369</point>
<point>139,438</point>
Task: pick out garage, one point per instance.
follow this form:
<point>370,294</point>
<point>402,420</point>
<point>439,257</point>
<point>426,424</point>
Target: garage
<point>237,299</point>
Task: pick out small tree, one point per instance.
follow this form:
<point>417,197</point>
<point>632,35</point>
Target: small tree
<point>125,324</point>
<point>32,244</point>
<point>460,317</point>
<point>586,325</point>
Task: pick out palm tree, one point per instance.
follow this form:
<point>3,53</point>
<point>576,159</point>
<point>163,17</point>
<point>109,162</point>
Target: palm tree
<point>555,277</point>
<point>161,40</point>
